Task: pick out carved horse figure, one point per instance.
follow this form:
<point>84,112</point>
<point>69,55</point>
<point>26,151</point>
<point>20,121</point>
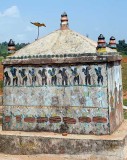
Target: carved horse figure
<point>32,73</point>
<point>76,76</point>
<point>87,74</point>
<point>53,75</point>
<point>15,78</point>
<point>64,76</point>
<point>7,78</point>
<point>24,76</point>
<point>99,75</point>
<point>43,75</point>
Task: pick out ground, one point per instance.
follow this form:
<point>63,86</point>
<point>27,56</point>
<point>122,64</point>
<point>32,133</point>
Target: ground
<point>50,157</point>
<point>41,157</point>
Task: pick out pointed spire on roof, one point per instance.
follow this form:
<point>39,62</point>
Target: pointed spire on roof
<point>101,47</point>
<point>11,43</point>
<point>64,21</point>
<point>112,43</point>
<point>11,47</point>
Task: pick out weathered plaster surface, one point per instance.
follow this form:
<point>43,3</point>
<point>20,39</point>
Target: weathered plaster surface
<point>56,96</point>
<point>75,96</point>
<point>115,97</point>
<point>78,120</point>
<point>62,98</point>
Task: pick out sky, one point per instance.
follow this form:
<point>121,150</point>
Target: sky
<point>88,17</point>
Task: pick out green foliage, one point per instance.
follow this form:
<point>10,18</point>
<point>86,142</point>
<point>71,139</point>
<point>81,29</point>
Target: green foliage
<point>124,76</point>
<point>19,46</point>
<point>1,58</point>
<point>1,84</point>
<point>125,114</point>
<point>4,48</point>
<point>125,102</point>
<point>122,47</point>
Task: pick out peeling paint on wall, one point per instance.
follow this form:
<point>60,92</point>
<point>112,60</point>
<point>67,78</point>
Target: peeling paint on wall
<point>91,121</point>
<point>75,98</point>
<point>115,94</point>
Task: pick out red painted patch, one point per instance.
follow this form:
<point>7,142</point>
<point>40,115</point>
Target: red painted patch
<point>69,120</point>
<point>42,119</point>
<point>84,119</point>
<point>100,119</point>
<point>7,119</point>
<point>29,119</point>
<point>18,119</point>
<point>55,119</point>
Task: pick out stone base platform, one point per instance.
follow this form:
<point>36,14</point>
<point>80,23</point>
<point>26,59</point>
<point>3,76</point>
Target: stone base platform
<point>99,147</point>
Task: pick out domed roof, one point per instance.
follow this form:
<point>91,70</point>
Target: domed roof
<point>60,42</point>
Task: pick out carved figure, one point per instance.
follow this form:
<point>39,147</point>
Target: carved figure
<point>64,76</point>
<point>15,78</point>
<point>53,75</point>
<point>24,76</point>
<point>87,75</point>
<point>32,73</point>
<point>76,76</point>
<point>43,75</point>
<point>7,78</point>
<point>99,75</point>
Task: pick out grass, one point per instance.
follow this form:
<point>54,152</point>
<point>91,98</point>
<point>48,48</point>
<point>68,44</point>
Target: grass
<point>125,102</point>
<point>124,79</point>
<point>1,58</point>
<point>125,114</point>
<point>1,86</point>
<point>124,76</point>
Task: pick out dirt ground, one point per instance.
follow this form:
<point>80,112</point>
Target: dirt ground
<point>124,60</point>
<point>57,157</point>
<point>43,157</point>
<point>125,95</point>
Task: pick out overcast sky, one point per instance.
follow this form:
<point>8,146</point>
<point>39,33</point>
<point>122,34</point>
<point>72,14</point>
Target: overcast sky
<point>91,17</point>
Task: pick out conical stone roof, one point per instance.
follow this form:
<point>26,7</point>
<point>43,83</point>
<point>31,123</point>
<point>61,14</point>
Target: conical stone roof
<point>60,42</point>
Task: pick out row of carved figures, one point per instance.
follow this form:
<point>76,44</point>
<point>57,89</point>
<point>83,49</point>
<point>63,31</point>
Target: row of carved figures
<point>53,76</point>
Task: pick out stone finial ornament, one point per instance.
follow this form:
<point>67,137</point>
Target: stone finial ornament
<point>11,47</point>
<point>112,43</point>
<point>101,47</point>
<point>64,21</point>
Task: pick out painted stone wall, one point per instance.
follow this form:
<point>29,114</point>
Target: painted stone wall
<point>115,95</point>
<point>55,98</point>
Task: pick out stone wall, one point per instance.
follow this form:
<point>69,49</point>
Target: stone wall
<point>52,97</point>
<point>58,98</point>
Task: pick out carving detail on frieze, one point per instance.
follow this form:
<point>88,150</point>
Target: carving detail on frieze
<point>99,75</point>
<point>87,75</point>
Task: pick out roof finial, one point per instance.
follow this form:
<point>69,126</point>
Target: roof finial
<point>112,43</point>
<point>101,46</point>
<point>11,47</point>
<point>64,21</point>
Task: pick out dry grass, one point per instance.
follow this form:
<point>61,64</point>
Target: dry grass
<point>124,77</point>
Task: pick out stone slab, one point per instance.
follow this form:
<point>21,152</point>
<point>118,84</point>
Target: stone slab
<point>40,61</point>
<point>57,157</point>
<point>25,143</point>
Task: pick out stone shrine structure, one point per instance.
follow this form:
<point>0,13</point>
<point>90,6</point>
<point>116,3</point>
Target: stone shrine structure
<point>63,82</point>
